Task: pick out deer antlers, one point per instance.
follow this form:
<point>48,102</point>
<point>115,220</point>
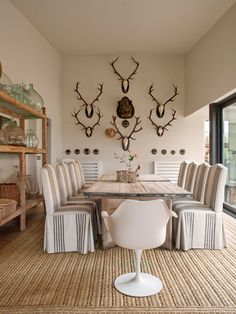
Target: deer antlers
<point>126,139</point>
<point>125,81</point>
<point>88,107</point>
<point>159,128</point>
<point>160,109</point>
<point>88,129</point>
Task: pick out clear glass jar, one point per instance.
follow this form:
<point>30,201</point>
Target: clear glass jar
<point>31,139</point>
<point>34,99</point>
<point>31,186</point>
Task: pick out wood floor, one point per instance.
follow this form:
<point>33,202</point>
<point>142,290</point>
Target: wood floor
<point>11,230</point>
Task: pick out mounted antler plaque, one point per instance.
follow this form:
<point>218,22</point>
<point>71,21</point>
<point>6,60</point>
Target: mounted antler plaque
<point>125,108</point>
<point>162,128</point>
<point>125,81</point>
<point>125,139</point>
<point>89,108</point>
<point>160,109</point>
<point>88,129</point>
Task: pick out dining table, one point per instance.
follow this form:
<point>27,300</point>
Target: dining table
<point>107,188</point>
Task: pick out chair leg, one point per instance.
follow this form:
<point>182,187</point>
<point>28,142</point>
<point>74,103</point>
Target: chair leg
<point>138,284</point>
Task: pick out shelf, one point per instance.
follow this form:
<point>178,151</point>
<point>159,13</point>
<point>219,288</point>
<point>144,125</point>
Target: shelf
<point>11,106</point>
<point>21,149</point>
<point>30,203</point>
<point>14,108</point>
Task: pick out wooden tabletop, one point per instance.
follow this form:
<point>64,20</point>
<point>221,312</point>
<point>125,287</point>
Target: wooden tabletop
<point>141,177</point>
<point>140,189</point>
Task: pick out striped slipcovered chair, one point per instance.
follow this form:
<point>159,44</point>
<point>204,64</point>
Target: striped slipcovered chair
<point>201,225</point>
<point>190,176</point>
<point>67,228</point>
<point>199,186</point>
<point>76,179</point>
<point>182,173</point>
<point>78,164</point>
<point>67,198</point>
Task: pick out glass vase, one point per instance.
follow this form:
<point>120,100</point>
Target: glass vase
<point>31,139</point>
<point>35,100</point>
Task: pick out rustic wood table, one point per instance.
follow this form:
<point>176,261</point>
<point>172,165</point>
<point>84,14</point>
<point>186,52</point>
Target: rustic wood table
<point>141,177</point>
<point>105,190</point>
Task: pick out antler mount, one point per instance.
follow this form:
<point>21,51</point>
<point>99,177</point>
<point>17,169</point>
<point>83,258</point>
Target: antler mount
<point>160,109</point>
<point>125,81</point>
<point>125,139</point>
<point>89,107</point>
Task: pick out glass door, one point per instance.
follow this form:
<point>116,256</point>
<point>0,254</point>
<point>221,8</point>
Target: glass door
<point>229,153</point>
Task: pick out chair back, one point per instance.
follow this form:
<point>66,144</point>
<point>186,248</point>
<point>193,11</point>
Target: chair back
<point>76,181</point>
<point>64,181</point>
<point>51,190</point>
<point>182,173</point>
<point>190,176</point>
<point>139,224</point>
<point>200,182</point>
<point>215,187</point>
<point>78,163</point>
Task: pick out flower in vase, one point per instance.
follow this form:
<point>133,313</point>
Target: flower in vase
<point>126,159</point>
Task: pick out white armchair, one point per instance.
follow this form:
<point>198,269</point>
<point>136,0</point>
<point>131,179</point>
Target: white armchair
<point>138,225</point>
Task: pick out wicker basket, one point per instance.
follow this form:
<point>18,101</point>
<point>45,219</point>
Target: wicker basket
<point>10,191</point>
<point>122,175</point>
<point>132,176</point>
<point>7,207</point>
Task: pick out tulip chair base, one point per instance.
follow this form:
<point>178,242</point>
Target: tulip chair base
<point>143,285</point>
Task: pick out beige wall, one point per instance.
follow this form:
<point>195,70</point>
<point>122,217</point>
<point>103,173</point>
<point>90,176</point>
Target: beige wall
<point>211,64</point>
<point>27,57</point>
<point>185,133</point>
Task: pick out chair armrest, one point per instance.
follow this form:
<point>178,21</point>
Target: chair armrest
<point>173,214</point>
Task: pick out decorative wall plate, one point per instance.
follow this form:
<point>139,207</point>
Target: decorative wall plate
<point>154,151</point>
<point>96,151</point>
<point>173,152</point>
<point>68,151</point>
<point>77,151</point>
<point>163,151</point>
<point>182,151</point>
<point>86,151</point>
<point>125,123</point>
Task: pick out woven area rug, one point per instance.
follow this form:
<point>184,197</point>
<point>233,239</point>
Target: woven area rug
<point>31,281</point>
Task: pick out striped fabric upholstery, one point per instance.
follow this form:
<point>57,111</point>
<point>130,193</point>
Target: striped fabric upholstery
<point>200,182</point>
<point>201,225</point>
<point>67,228</point>
<point>182,173</point>
<point>199,186</point>
<point>190,176</point>
<point>77,162</point>
<point>76,180</point>
<point>215,185</point>
<point>67,198</point>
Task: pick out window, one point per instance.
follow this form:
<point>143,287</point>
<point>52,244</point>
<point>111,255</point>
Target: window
<point>223,144</point>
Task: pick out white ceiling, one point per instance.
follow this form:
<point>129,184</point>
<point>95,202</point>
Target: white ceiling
<point>123,26</point>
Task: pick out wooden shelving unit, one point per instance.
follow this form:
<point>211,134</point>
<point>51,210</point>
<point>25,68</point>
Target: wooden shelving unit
<point>12,107</point>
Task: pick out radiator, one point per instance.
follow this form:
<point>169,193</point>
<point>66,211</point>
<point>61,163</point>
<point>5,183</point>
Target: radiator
<point>92,171</point>
<point>168,169</point>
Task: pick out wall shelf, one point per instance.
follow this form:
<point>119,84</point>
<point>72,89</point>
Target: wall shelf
<point>12,107</point>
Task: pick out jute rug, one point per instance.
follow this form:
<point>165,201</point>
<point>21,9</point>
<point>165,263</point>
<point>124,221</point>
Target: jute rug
<point>31,281</point>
